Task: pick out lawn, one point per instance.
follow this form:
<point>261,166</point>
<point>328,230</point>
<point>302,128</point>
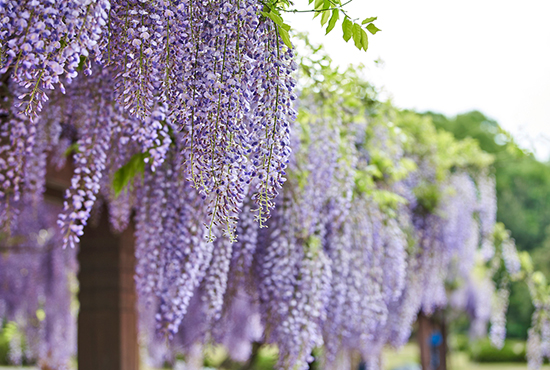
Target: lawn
<point>457,361</point>
<point>409,354</point>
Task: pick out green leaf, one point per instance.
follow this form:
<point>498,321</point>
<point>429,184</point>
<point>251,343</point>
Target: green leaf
<point>347,28</point>
<point>372,28</point>
<point>539,278</point>
<point>325,17</point>
<point>314,243</point>
<point>274,17</point>
<point>368,20</point>
<point>126,173</point>
<point>526,261</point>
<point>284,35</point>
<point>73,148</point>
<point>277,19</point>
<point>357,36</point>
<point>364,40</point>
<point>120,179</point>
<point>333,20</point>
<point>81,63</point>
<point>319,6</point>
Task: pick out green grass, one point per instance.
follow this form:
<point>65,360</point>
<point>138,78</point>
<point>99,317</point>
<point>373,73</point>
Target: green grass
<point>456,361</point>
<point>406,355</point>
<point>392,359</point>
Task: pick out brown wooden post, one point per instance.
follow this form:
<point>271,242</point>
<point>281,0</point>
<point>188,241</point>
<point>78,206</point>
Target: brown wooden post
<point>424,332</point>
<point>443,348</point>
<point>426,327</point>
<point>107,322</point>
<point>107,319</point>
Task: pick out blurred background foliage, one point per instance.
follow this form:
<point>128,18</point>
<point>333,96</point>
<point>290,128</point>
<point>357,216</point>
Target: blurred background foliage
<point>523,198</point>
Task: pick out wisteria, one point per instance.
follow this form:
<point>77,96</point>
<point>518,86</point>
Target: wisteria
<point>45,275</point>
<point>487,214</point>
<point>330,222</point>
<point>498,318</point>
<point>216,72</point>
<point>90,162</point>
<point>168,218</point>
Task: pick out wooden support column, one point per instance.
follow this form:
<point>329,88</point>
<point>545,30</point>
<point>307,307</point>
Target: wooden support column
<point>424,332</point>
<point>107,321</point>
<point>428,326</point>
<point>443,350</point>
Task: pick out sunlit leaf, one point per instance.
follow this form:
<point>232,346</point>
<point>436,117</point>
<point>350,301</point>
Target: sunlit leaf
<point>333,20</point>
<point>274,17</point>
<point>73,148</point>
<point>283,28</point>
<point>284,36</point>
<point>368,20</point>
<point>364,40</point>
<point>126,173</point>
<point>347,28</point>
<point>357,35</point>
<point>372,28</point>
<point>325,17</point>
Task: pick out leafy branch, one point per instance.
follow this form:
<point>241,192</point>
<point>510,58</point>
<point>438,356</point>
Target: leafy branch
<point>330,11</point>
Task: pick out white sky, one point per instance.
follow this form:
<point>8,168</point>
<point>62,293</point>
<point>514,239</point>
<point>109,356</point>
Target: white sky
<point>456,56</point>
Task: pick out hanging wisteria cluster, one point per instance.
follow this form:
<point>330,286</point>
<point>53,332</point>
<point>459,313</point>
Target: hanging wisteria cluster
<point>212,77</point>
<point>37,290</point>
<point>180,113</point>
<point>370,228</point>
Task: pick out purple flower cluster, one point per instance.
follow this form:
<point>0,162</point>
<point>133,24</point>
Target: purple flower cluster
<point>90,160</point>
<point>44,41</point>
<point>538,341</point>
<point>475,298</point>
<point>498,318</point>
<point>487,213</point>
<point>135,50</point>
<point>33,266</point>
<point>172,253</point>
<point>215,71</point>
<point>535,356</point>
<point>510,256</point>
<point>241,325</point>
<point>294,290</point>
